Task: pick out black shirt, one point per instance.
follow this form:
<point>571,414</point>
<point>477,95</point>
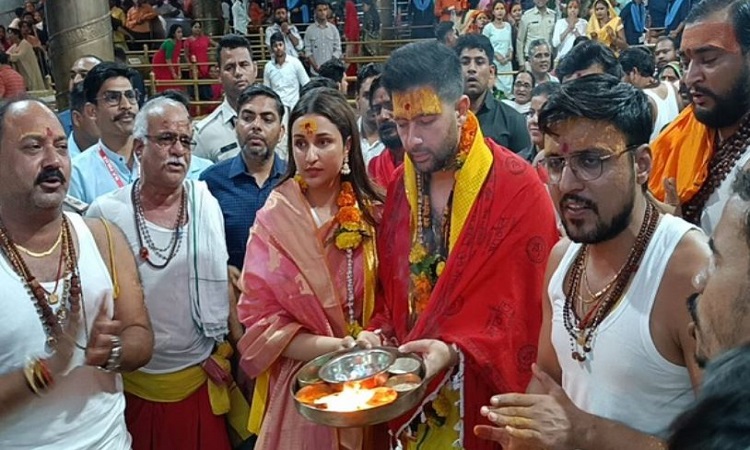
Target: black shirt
<point>503,124</point>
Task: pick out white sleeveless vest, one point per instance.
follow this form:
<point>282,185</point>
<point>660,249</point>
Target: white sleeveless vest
<point>624,378</point>
<point>85,408</point>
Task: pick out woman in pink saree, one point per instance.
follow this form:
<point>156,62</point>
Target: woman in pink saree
<point>309,276</point>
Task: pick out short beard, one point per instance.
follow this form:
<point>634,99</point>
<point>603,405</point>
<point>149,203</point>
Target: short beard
<point>605,232</point>
<point>256,154</point>
<point>728,108</point>
<point>390,140</point>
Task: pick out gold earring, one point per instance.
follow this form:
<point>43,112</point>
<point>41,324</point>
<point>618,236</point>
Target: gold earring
<point>345,169</point>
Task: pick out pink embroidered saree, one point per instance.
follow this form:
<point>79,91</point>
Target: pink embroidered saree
<point>293,280</point>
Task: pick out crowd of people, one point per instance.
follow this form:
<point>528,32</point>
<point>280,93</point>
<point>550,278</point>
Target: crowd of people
<point>570,262</point>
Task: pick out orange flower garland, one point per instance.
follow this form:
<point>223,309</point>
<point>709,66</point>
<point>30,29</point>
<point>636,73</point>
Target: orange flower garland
<point>426,267</point>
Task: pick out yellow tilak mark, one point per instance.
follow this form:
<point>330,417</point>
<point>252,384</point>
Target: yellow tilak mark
<point>309,126</point>
<point>418,102</point>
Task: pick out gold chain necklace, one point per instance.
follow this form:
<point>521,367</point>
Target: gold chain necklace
<point>44,253</point>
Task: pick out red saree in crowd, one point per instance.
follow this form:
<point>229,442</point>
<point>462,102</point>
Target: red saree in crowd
<point>487,301</point>
<point>294,281</point>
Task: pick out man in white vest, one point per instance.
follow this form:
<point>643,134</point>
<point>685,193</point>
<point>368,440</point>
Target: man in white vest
<point>72,302</point>
<point>616,361</point>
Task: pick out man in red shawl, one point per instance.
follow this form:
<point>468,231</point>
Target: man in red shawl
<point>465,235</point>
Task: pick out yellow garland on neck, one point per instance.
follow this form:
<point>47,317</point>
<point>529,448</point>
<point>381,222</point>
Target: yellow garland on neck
<point>473,162</point>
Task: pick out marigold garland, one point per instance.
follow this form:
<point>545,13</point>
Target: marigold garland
<point>426,267</point>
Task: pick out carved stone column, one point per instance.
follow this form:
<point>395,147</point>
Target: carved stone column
<point>209,13</point>
<point>76,28</point>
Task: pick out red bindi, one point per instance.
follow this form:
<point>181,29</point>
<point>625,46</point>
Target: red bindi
<point>565,148</point>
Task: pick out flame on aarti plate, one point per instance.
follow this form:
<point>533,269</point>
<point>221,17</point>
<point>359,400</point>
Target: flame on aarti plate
<point>353,397</point>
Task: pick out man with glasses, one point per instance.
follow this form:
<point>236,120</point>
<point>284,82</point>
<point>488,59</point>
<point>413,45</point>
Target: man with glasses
<point>113,103</point>
<point>615,363</point>
<point>175,228</point>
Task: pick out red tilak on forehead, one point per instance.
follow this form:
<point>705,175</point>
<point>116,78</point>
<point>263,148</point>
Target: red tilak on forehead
<point>565,148</point>
<point>49,132</point>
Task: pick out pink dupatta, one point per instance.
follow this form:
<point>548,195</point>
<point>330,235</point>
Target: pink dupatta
<point>293,280</point>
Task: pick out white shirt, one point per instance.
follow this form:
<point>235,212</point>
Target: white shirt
<point>715,204</point>
<point>563,47</point>
<point>522,109</point>
<point>323,43</point>
<point>291,49</point>
<point>214,136</point>
<point>239,13</point>
<point>285,79</point>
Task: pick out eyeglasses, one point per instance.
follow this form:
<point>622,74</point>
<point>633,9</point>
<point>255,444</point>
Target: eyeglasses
<point>113,98</point>
<point>166,140</point>
<point>586,165</point>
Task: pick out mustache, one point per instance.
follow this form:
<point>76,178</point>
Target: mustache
<point>177,160</point>
<point>704,91</point>
<point>387,126</point>
<point>578,199</point>
<point>124,115</point>
<point>50,175</point>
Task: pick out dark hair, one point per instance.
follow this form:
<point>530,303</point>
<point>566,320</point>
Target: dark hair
<point>580,39</point>
<point>77,98</point>
<point>425,63</point>
<point>120,54</point>
<point>475,42</point>
<point>195,22</point>
<point>376,84</point>
<point>276,37</point>
<point>102,72</point>
<point>588,54</point>
<point>4,58</point>
<point>442,29</point>
<point>666,39</point>
<point>322,2</point>
<point>173,29</point>
<point>637,58</point>
<point>19,12</point>
<point>602,98</point>
<point>176,95</point>
<point>333,69</point>
<point>720,419</point>
<point>545,89</point>
<point>527,72</point>
<point>230,42</point>
<point>738,12</point>
<point>334,106</point>
<point>317,82</point>
<point>368,71</point>
<point>15,32</point>
<point>258,90</point>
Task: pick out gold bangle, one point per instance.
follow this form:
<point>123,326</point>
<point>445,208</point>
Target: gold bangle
<point>28,372</point>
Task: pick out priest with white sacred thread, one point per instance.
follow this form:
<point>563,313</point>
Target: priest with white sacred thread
<point>175,228</point>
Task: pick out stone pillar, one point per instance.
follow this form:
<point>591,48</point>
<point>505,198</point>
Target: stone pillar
<point>208,12</point>
<point>76,28</point>
<point>387,11</point>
